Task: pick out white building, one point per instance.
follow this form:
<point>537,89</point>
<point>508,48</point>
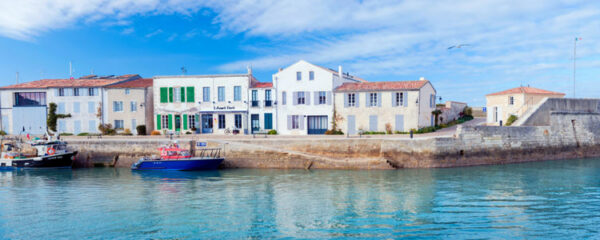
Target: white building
<point>207,103</point>
<point>262,107</point>
<point>304,102</point>
<point>24,106</point>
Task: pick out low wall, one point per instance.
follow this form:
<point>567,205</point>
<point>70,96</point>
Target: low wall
<point>569,135</point>
<point>540,116</point>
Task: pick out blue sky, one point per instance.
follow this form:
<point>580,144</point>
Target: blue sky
<point>510,42</point>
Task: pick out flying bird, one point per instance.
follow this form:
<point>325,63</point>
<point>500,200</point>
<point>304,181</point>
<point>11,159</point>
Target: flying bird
<point>458,46</point>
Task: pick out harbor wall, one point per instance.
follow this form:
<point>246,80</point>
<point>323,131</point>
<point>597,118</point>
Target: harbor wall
<point>569,135</point>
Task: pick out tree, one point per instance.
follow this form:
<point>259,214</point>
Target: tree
<point>53,117</point>
<point>436,113</point>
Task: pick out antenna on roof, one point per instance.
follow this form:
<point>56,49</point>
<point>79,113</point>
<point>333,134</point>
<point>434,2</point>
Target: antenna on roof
<point>183,71</point>
<point>70,70</point>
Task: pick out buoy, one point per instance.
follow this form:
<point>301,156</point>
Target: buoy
<point>50,151</point>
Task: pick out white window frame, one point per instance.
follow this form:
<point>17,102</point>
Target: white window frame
<point>176,94</point>
<point>295,121</point>
<point>301,99</point>
<point>61,92</point>
<point>298,76</point>
<point>373,99</point>
<point>399,99</point>
<point>133,106</point>
<point>351,99</point>
<point>164,121</point>
<point>122,124</point>
<point>117,106</point>
<point>127,91</point>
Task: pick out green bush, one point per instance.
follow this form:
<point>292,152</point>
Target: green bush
<point>426,130</point>
<point>141,129</point>
<point>83,134</point>
<point>511,120</point>
<point>106,129</point>
<point>373,133</point>
<point>2,133</point>
<point>272,132</point>
<point>66,134</point>
<point>188,133</point>
<point>398,132</point>
<point>334,132</point>
<point>125,134</point>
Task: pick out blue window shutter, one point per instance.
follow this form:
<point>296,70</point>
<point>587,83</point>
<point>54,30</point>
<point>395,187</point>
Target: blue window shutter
<point>394,99</point>
<point>379,100</point>
<point>405,96</point>
<point>307,98</point>
<point>346,100</point>
<point>357,99</point>
<point>329,98</point>
<point>289,122</point>
<point>301,121</point>
<point>56,92</point>
<point>294,98</point>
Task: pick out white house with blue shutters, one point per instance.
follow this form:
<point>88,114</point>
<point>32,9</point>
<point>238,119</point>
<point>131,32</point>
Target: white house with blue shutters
<point>304,97</point>
<point>382,106</point>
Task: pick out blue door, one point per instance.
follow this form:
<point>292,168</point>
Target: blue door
<point>351,129</point>
<point>254,122</point>
<point>207,123</point>
<point>268,121</point>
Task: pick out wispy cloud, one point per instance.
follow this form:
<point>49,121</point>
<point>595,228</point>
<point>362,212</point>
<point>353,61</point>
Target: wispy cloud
<point>128,31</point>
<point>152,34</point>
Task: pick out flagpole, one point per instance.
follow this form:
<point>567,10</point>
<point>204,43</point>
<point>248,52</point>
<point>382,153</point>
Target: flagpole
<point>574,60</point>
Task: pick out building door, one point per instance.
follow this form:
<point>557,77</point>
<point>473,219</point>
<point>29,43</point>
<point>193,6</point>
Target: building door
<point>254,122</point>
<point>268,121</point>
<point>207,123</point>
<point>317,124</point>
<point>351,129</point>
<point>177,123</point>
<point>400,123</point>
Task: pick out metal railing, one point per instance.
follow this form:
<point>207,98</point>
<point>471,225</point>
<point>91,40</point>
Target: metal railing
<point>208,152</point>
<point>268,103</point>
<point>255,104</point>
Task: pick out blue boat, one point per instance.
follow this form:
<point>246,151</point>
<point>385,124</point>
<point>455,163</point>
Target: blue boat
<point>174,158</point>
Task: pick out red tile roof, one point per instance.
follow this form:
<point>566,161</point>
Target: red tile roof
<point>527,90</point>
<point>371,86</point>
<point>262,85</point>
<point>138,83</point>
<point>79,82</point>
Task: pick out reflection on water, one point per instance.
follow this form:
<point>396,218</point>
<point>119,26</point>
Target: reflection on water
<point>534,200</point>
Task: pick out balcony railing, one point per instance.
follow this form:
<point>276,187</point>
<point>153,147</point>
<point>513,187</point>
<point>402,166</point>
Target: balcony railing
<point>254,103</point>
<point>268,103</point>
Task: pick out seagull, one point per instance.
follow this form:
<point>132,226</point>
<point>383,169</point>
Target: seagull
<point>458,46</point>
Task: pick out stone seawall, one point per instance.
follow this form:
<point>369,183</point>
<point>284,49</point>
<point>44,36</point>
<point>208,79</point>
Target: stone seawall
<point>570,135</point>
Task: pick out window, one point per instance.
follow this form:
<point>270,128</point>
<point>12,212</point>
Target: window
<point>322,97</point>
<point>237,93</point>
<point>164,95</point>
<point>511,100</point>
<point>298,76</point>
<point>133,123</point>
<point>75,91</point>
<point>300,99</point>
<point>268,95</point>
<point>351,99</point>
<point>311,75</point>
<point>254,95</point>
<point>221,121</point>
<point>283,98</point>
<point>133,106</point>
<point>431,100</point>
<point>92,126</point>
<point>295,121</point>
<point>76,107</point>
<point>91,107</point>
<point>92,92</point>
<point>117,106</point>
<point>61,92</point>
<point>30,99</point>
<point>190,94</point>
<point>118,124</point>
<point>61,108</point>
<point>221,92</point>
<point>206,94</point>
<point>399,101</point>
<point>192,121</point>
<point>127,91</point>
<point>372,99</point>
<point>238,121</point>
<point>177,93</point>
<point>164,121</point>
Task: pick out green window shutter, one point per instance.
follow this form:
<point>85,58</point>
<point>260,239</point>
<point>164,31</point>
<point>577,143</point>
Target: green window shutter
<point>185,118</point>
<point>182,94</point>
<point>171,121</point>
<point>190,94</point>
<point>157,121</point>
<point>164,94</point>
<point>170,94</point>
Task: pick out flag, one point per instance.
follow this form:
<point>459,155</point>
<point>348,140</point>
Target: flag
<point>28,138</point>
<point>577,39</point>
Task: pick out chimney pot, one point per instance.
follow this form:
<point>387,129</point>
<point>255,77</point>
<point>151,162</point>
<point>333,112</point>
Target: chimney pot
<point>422,79</point>
<point>340,73</point>
<point>280,69</point>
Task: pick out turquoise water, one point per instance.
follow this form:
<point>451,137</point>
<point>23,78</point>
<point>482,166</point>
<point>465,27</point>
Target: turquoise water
<point>556,199</point>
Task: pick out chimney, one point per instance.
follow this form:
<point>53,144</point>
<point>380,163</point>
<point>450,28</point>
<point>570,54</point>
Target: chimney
<point>340,73</point>
<point>422,79</point>
<point>249,70</point>
<point>280,69</point>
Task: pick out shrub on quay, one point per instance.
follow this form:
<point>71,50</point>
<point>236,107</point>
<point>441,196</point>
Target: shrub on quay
<point>155,133</point>
<point>512,119</point>
<point>141,130</point>
<point>272,132</point>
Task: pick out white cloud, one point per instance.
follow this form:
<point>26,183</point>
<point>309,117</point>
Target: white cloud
<point>128,31</point>
<point>152,34</point>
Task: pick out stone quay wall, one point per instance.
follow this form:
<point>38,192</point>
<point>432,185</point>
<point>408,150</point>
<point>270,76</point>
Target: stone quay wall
<point>569,135</point>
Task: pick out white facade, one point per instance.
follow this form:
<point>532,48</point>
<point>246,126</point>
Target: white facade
<point>262,107</point>
<point>82,104</point>
<point>304,103</point>
<point>202,104</point>
<point>15,118</point>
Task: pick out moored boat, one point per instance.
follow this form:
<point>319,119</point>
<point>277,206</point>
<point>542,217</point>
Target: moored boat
<point>172,157</point>
<point>38,154</point>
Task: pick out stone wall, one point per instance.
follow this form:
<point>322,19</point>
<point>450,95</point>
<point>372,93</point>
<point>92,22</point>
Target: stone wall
<point>569,135</point>
<point>540,116</point>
